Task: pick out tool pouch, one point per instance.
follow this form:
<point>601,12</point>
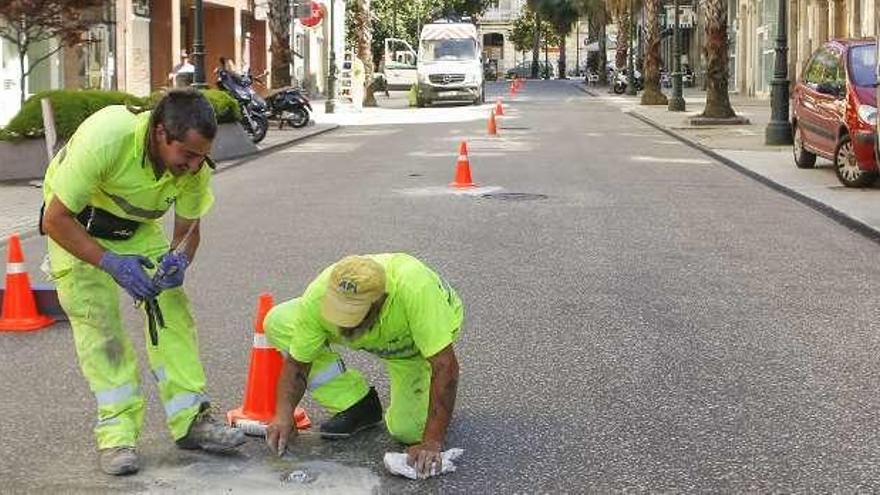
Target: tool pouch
<point>105,225</point>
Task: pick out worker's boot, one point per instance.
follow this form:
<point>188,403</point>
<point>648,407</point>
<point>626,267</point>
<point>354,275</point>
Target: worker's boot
<point>366,413</point>
<point>118,461</point>
<point>208,434</point>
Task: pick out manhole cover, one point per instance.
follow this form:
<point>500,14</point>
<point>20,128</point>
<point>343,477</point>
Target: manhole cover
<point>514,196</point>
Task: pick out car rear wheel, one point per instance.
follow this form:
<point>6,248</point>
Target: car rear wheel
<point>802,157</point>
<point>846,166</point>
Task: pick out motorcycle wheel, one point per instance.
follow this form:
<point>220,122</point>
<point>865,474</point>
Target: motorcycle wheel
<point>619,89</point>
<point>260,126</point>
<point>299,118</point>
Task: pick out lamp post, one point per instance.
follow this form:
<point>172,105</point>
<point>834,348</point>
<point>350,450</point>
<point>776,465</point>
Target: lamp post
<point>676,102</point>
<point>778,130</point>
<point>330,104</point>
<point>198,50</point>
<point>630,69</point>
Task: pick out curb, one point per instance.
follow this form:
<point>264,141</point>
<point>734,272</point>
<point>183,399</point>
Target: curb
<point>840,217</point>
<point>221,167</point>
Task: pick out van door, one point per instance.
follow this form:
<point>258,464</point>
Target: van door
<point>399,64</point>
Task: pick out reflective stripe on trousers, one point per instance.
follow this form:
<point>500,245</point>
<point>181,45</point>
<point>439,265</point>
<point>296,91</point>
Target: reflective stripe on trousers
<point>183,401</point>
<point>330,372</point>
<point>116,395</point>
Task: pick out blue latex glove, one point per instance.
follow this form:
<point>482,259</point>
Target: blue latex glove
<point>128,272</point>
<point>172,267</point>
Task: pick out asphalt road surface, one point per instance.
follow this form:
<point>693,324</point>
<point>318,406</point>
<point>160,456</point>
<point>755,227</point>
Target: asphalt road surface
<point>638,317</point>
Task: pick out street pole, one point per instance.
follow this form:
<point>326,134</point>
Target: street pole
<point>330,104</point>
<point>577,49</point>
<point>294,13</point>
<point>676,102</point>
<point>778,130</point>
<point>198,50</point>
<point>630,70</point>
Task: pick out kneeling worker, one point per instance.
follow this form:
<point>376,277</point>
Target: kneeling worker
<point>390,305</point>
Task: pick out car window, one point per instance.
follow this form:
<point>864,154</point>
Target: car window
<point>815,72</point>
<point>862,64</point>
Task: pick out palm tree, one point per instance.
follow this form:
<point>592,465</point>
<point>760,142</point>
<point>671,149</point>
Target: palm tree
<point>363,31</point>
<point>653,95</point>
<point>562,15</point>
<point>279,25</point>
<point>717,98</point>
<point>620,12</point>
<point>535,6</point>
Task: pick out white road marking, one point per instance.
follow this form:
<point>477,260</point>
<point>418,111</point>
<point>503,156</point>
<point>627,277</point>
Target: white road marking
<point>658,159</point>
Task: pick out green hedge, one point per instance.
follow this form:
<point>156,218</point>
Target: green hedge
<point>73,107</point>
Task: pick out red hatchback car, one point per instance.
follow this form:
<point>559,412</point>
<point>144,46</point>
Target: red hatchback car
<point>834,110</point>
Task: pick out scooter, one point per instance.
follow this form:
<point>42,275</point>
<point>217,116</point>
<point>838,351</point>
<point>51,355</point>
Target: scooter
<point>621,80</point>
<point>289,105</point>
<point>254,110</point>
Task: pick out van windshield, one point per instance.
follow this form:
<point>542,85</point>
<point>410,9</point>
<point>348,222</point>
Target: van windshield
<point>863,65</point>
<point>451,49</point>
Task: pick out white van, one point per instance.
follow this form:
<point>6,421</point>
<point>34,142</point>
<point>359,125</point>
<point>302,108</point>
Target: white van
<point>449,64</point>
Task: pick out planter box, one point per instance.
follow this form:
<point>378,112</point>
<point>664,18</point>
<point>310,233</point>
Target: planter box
<point>26,159</point>
<point>22,160</point>
<point>231,142</point>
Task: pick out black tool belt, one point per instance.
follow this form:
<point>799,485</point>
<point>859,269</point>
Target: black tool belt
<point>105,225</point>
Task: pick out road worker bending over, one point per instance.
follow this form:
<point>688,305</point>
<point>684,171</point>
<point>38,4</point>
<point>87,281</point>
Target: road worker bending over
<point>105,194</point>
<point>392,306</point>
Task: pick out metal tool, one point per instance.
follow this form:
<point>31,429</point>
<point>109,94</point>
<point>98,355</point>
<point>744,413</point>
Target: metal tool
<point>155,319</point>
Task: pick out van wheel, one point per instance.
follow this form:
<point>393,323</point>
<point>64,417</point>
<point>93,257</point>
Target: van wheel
<point>802,157</point>
<point>846,166</point>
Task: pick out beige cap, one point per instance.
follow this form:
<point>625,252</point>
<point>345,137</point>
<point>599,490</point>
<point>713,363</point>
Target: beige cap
<point>355,283</point>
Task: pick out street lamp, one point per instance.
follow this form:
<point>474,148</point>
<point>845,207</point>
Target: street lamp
<point>330,104</point>
<point>198,49</point>
<point>778,130</point>
<point>676,103</point>
<point>630,72</point>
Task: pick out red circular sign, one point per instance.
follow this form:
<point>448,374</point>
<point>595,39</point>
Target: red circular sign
<point>317,15</point>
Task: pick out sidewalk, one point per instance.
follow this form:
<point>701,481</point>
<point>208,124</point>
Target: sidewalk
<point>742,147</point>
<point>20,201</point>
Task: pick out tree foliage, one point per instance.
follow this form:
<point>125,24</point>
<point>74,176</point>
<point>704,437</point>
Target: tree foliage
<point>26,23</point>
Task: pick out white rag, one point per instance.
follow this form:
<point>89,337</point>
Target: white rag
<point>396,463</point>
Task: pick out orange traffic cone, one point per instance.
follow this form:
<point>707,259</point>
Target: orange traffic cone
<point>260,390</point>
<point>19,305</point>
<point>491,126</point>
<point>499,110</point>
<point>463,169</point>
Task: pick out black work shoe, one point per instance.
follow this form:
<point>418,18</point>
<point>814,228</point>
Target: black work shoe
<point>208,434</point>
<point>366,413</point>
<point>118,461</point>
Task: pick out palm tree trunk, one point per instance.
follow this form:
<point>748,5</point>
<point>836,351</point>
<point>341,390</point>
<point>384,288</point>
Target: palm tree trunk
<point>603,53</point>
<point>536,46</point>
<point>363,25</point>
<point>622,40</point>
<point>279,25</point>
<point>653,95</point>
<point>717,97</point>
<point>562,59</point>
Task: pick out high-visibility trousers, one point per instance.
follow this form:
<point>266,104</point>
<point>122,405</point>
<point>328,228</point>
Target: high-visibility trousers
<point>91,299</point>
<point>336,388</point>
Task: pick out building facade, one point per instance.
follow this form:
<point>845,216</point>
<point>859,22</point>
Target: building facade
<point>810,23</point>
<point>133,46</point>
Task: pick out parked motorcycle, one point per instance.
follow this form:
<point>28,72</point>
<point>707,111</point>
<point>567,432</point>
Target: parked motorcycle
<point>289,105</point>
<point>254,109</point>
<point>621,80</point>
